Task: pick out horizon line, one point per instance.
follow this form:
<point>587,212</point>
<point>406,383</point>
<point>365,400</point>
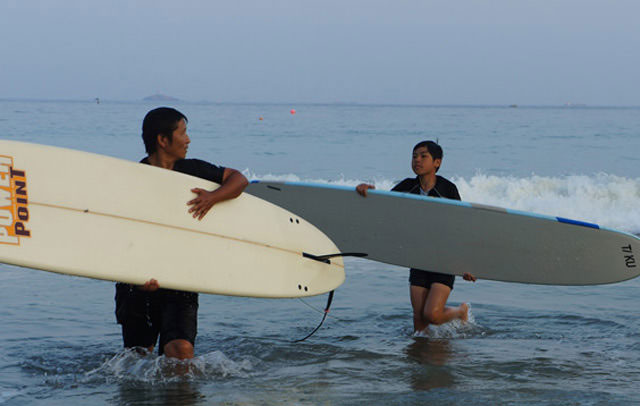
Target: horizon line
<point>335,103</point>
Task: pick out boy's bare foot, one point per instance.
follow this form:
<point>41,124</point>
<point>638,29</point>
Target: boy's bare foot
<point>465,312</point>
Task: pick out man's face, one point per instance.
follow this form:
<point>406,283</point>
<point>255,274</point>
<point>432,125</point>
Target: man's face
<point>179,144</point>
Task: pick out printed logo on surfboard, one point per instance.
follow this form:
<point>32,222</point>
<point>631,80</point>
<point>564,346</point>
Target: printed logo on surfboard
<point>14,209</point>
<point>629,259</point>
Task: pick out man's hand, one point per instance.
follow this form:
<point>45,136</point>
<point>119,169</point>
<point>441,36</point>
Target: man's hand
<point>362,189</point>
<point>233,183</point>
<point>150,286</point>
<point>201,205</point>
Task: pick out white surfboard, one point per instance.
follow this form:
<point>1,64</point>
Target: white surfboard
<point>89,215</point>
<point>454,237</point>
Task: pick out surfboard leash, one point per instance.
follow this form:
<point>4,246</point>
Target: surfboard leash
<point>324,317</point>
<point>327,259</point>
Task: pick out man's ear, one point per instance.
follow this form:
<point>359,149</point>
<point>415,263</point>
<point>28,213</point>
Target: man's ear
<point>162,140</point>
<point>437,162</point>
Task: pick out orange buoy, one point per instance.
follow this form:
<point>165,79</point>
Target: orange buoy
<point>293,111</point>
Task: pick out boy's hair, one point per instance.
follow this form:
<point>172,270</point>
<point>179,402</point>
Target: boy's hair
<point>160,121</point>
<point>434,149</point>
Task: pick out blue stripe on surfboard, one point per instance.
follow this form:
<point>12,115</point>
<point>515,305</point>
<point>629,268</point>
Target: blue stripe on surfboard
<point>577,223</point>
<point>446,201</point>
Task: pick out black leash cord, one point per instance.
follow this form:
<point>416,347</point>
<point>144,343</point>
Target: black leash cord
<point>327,260</point>
<point>326,311</point>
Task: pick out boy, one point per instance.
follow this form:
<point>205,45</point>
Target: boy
<point>429,291</point>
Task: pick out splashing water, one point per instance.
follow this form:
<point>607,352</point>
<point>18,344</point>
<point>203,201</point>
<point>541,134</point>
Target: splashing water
<point>453,329</point>
<point>129,365</point>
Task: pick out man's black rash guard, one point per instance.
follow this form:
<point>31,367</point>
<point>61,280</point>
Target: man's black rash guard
<point>198,168</point>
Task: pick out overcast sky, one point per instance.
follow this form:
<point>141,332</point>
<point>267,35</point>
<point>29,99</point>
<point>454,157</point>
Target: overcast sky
<point>543,52</point>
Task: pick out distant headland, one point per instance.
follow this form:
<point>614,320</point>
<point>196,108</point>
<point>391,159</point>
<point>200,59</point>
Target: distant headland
<point>160,97</point>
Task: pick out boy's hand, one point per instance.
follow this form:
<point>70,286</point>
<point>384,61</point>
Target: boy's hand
<point>362,189</point>
<point>468,277</point>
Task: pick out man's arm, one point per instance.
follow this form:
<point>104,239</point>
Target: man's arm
<point>233,184</point>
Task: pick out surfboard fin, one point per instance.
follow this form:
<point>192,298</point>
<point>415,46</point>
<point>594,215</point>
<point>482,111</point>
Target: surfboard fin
<point>327,258</point>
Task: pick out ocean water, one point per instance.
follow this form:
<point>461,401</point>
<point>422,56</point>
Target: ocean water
<point>524,344</point>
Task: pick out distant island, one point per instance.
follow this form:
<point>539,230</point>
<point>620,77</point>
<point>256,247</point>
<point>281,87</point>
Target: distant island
<point>160,97</point>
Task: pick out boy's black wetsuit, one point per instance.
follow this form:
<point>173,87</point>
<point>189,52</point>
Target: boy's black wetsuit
<point>171,314</point>
<point>442,188</point>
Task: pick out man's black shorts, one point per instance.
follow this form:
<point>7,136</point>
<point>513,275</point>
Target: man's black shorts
<point>166,313</point>
<point>426,278</point>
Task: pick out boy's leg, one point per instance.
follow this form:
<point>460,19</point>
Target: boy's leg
<point>436,311</point>
<point>418,296</point>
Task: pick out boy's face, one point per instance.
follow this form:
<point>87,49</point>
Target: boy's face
<point>177,147</point>
<point>423,163</point>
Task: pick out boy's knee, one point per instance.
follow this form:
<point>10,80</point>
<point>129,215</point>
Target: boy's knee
<point>433,316</point>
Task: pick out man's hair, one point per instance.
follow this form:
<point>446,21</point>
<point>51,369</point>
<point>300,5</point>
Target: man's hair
<point>434,149</point>
<point>160,121</point>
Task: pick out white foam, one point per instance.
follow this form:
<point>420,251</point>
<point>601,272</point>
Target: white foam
<point>128,365</point>
<point>216,363</point>
<point>380,183</point>
<point>608,200</point>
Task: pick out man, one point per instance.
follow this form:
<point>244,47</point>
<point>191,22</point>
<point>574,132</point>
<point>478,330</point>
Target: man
<point>148,312</point>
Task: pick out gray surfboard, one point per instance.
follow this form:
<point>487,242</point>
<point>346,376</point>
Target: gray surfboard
<point>455,237</point>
